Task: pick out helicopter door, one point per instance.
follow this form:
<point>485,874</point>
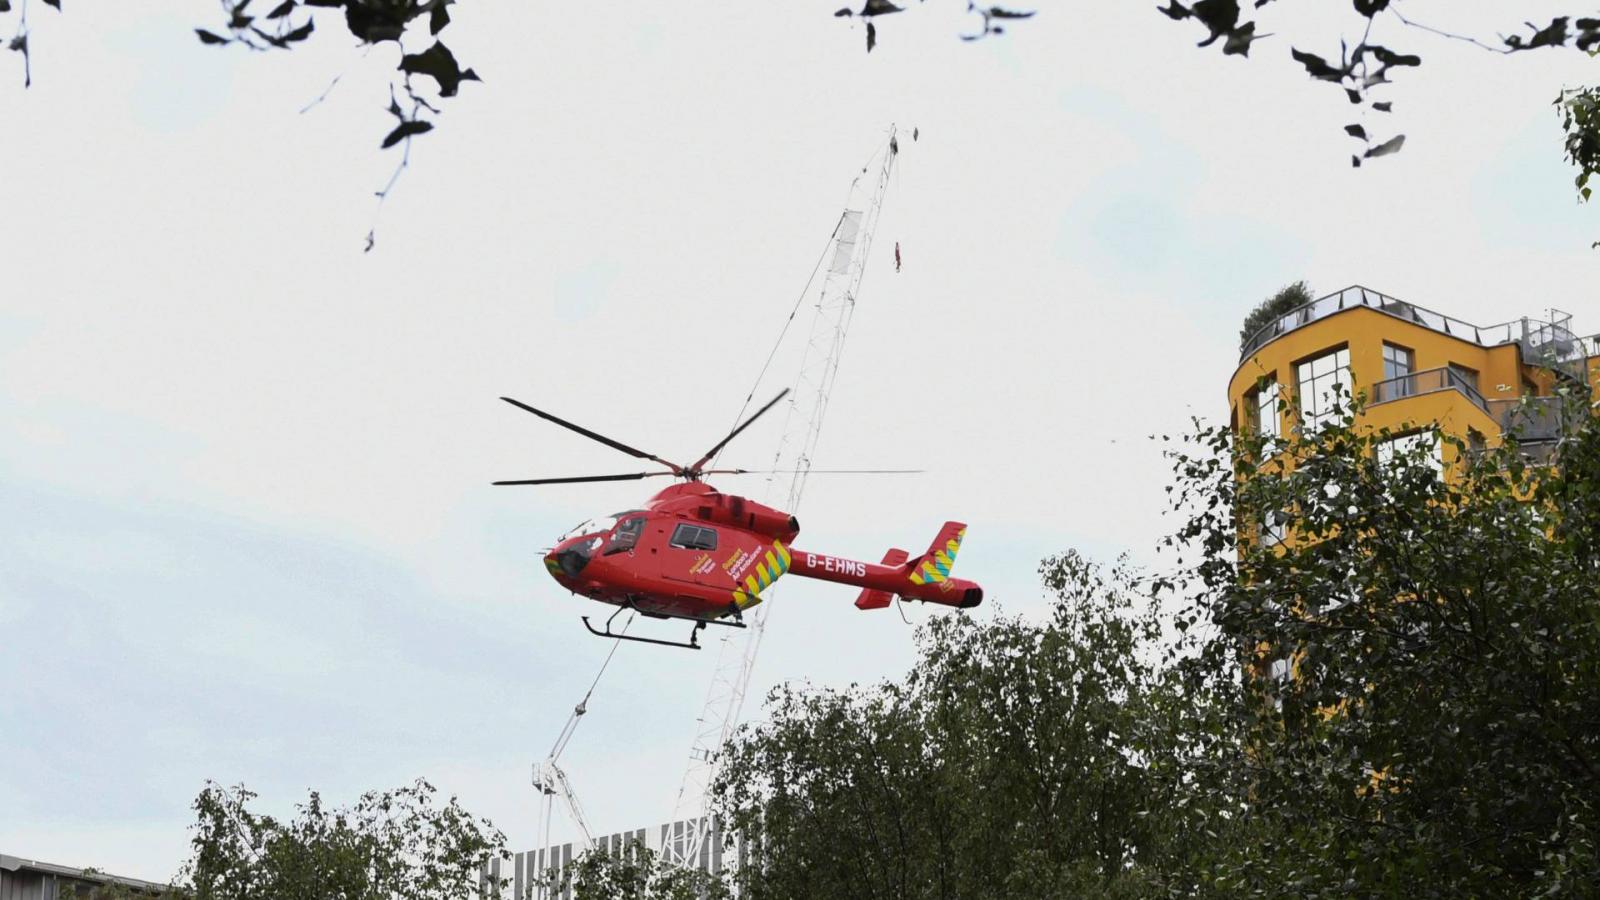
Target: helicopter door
<point>691,553</point>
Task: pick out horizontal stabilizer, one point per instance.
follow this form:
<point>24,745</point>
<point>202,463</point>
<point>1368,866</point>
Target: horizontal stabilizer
<point>871,599</point>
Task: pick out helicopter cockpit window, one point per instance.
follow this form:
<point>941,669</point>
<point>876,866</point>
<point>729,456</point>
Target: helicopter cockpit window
<point>601,525</point>
<point>626,535</point>
<point>694,537</point>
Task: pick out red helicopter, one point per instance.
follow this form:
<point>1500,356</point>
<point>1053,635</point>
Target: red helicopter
<point>696,553</point>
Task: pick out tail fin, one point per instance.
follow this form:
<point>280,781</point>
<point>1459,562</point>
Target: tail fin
<point>934,566</point>
<point>871,599</point>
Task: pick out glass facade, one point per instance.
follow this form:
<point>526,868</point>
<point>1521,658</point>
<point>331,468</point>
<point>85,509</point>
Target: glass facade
<point>1324,388</point>
<point>1268,423</point>
<point>1424,444</point>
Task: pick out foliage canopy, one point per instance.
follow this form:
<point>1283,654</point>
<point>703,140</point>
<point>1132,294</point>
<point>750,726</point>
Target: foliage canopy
<point>1403,699</point>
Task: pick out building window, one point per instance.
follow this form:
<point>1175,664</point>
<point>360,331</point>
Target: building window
<point>1324,388</point>
<point>1269,424</point>
<point>1423,446</point>
<point>1274,528</point>
<point>1279,673</point>
<point>694,537</point>
<point>1398,362</point>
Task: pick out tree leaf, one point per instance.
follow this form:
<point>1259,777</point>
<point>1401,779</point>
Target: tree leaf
<point>406,129</point>
<point>872,36</point>
<point>281,10</point>
<point>439,18</point>
<point>438,63</point>
<point>1392,145</point>
<point>1356,131</point>
<point>207,37</point>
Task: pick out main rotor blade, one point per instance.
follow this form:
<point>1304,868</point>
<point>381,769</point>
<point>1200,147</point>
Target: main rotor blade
<point>814,471</point>
<point>581,479</point>
<point>735,432</point>
<point>615,445</point>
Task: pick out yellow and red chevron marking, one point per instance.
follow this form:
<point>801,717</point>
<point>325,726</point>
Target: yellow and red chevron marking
<point>935,567</point>
<point>765,572</point>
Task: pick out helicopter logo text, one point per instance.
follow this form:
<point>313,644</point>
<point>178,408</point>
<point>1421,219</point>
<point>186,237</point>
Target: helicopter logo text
<point>842,566</point>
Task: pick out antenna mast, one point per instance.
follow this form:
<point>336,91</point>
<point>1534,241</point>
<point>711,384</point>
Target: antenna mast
<point>834,304</point>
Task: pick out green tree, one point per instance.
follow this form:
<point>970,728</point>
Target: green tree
<point>392,844</point>
<point>1288,297</point>
<point>1436,727</point>
<point>1402,699</point>
<point>1017,759</point>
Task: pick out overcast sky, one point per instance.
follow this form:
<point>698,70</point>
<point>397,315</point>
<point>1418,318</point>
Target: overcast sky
<point>246,527</point>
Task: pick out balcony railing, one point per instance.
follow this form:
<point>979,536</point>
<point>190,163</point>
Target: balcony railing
<point>1426,382</point>
<point>1543,343</point>
<point>1531,419</point>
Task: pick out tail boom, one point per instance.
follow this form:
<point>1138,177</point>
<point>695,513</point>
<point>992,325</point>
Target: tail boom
<point>906,578</point>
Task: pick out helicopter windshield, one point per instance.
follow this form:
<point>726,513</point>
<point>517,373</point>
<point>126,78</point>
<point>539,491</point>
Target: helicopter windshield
<point>600,525</point>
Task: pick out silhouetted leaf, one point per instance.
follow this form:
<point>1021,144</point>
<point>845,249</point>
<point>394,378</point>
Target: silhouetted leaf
<point>439,18</point>
<point>1316,66</point>
<point>1552,35</point>
<point>375,22</point>
<point>1384,106</point>
<point>282,9</point>
<point>843,12</point>
<point>1353,94</point>
<point>405,130</point>
<point>438,63</point>
<point>1370,8</point>
<point>1389,57</point>
<point>1175,10</point>
<point>879,8</point>
<point>872,36</point>
<point>1221,17</point>
<point>1356,131</point>
<point>54,3</point>
<point>301,33</point>
<point>1239,40</point>
<point>996,12</point>
<point>5,6</point>
<point>207,37</point>
<point>1392,145</point>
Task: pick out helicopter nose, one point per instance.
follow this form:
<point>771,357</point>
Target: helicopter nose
<point>568,561</point>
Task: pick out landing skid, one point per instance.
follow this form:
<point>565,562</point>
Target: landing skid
<point>694,633</point>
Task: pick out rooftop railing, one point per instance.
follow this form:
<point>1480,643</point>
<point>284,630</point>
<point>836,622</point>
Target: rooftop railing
<point>1545,343</point>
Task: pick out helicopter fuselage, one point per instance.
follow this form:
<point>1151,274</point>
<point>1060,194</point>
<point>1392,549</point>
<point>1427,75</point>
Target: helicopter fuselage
<point>696,553</point>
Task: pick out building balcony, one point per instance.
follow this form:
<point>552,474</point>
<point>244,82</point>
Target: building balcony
<point>1530,419</point>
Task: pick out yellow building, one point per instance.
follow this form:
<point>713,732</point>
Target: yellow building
<point>1417,369</point>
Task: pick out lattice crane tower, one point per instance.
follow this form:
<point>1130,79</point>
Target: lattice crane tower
<point>833,306</point>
